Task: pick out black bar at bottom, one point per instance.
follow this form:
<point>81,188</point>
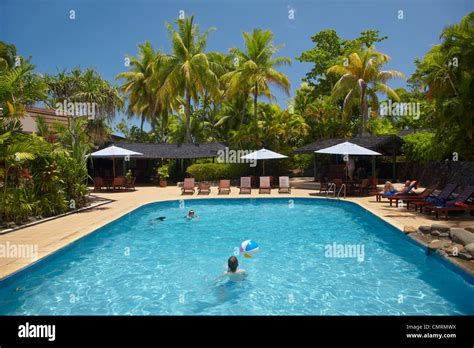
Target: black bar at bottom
<point>257,330</point>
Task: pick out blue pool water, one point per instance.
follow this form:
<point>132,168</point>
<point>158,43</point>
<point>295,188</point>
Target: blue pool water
<point>139,266</point>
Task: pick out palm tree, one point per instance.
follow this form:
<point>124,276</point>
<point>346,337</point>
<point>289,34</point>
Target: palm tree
<point>446,77</point>
<point>83,87</point>
<point>7,55</point>
<point>255,68</point>
<point>361,79</point>
<point>190,73</point>
<point>19,87</point>
<point>141,82</point>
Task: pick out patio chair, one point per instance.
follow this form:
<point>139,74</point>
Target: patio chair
<point>99,184</point>
<point>119,182</point>
<point>458,204</point>
<point>188,186</point>
<point>362,187</point>
<point>324,184</point>
<point>224,186</point>
<point>338,184</point>
<point>373,181</point>
<point>284,184</point>
<point>245,185</point>
<point>265,184</point>
<point>412,197</point>
<point>204,188</point>
<point>130,184</point>
<point>442,197</point>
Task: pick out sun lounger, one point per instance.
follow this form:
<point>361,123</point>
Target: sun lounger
<point>412,197</point>
<point>443,196</point>
<point>380,195</point>
<point>265,184</point>
<point>224,186</point>
<point>458,204</point>
<point>284,184</point>
<point>204,188</point>
<point>188,186</point>
<point>245,185</point>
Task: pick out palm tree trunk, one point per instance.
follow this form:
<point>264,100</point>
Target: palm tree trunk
<point>153,115</point>
<point>188,114</point>
<point>164,117</point>
<point>141,125</point>
<point>365,114</point>
<point>255,96</point>
<point>242,114</point>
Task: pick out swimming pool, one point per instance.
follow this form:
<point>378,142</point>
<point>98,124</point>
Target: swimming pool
<point>318,257</point>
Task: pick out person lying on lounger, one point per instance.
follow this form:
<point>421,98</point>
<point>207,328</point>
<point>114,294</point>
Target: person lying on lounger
<point>390,190</point>
<point>234,274</point>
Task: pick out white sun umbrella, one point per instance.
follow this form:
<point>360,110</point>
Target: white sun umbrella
<point>114,152</point>
<point>263,154</point>
<point>348,148</point>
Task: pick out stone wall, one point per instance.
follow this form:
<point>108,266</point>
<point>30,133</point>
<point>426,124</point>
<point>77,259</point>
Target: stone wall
<point>461,173</point>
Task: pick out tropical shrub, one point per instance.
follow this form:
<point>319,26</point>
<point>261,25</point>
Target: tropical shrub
<point>421,147</point>
<point>216,171</point>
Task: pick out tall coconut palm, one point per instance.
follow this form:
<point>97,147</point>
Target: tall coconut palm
<point>361,79</point>
<point>140,82</point>
<point>255,68</point>
<point>190,73</point>
<point>447,74</point>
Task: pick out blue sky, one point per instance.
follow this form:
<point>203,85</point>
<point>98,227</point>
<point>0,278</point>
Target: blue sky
<point>105,31</point>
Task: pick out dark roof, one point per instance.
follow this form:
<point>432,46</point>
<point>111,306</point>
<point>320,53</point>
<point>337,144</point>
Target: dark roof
<point>116,137</point>
<point>173,150</point>
<point>385,144</point>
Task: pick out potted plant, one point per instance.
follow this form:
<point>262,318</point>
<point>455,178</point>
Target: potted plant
<point>129,176</point>
<point>164,173</point>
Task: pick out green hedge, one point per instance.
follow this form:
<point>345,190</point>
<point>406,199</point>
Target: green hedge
<point>216,171</point>
<point>421,147</point>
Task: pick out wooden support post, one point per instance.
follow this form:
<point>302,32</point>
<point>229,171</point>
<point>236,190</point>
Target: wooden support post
<point>314,166</point>
<point>373,166</point>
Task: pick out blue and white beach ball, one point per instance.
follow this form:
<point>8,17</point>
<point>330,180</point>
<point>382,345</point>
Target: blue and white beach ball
<point>249,248</point>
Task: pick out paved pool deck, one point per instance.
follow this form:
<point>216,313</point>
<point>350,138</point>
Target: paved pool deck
<point>54,234</point>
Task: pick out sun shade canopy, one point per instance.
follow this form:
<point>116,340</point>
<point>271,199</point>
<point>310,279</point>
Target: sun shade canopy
<point>115,151</point>
<point>348,148</point>
<point>263,154</point>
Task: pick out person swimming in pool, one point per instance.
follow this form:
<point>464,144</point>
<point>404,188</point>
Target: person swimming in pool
<point>156,220</point>
<point>191,215</point>
<point>234,274</point>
